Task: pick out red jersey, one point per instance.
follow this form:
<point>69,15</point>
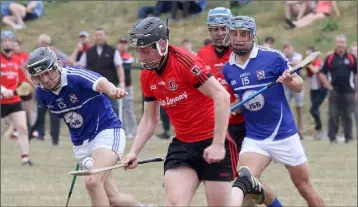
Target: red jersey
<point>23,57</point>
<point>216,62</point>
<point>11,76</point>
<point>175,87</point>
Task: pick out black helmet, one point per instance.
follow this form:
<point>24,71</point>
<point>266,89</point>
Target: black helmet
<point>148,31</point>
<point>40,60</point>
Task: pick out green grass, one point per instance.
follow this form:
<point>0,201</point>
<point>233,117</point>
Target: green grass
<point>333,168</point>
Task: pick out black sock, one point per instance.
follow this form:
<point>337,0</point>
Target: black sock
<point>243,184</point>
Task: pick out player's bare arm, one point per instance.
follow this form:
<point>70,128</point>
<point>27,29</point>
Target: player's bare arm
<point>120,73</point>
<point>146,129</point>
<point>213,89</point>
<point>110,89</point>
<point>293,81</point>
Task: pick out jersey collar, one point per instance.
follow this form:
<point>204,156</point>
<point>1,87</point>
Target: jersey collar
<point>64,81</point>
<point>253,54</point>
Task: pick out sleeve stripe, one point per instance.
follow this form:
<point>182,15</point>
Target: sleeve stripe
<point>149,99</point>
<point>206,76</point>
<point>186,60</point>
<point>84,75</point>
<point>83,71</point>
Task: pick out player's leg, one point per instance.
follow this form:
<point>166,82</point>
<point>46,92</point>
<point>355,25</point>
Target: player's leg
<point>290,152</point>
<point>180,178</point>
<point>255,156</point>
<point>18,120</point>
<point>95,183</point>
<point>115,197</point>
<point>301,179</point>
<point>217,177</point>
<point>180,184</point>
<point>299,100</point>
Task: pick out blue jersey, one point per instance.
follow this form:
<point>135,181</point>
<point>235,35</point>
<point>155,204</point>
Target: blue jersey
<point>268,115</point>
<point>85,111</point>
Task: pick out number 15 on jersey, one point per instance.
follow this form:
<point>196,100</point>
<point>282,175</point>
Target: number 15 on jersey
<point>245,81</point>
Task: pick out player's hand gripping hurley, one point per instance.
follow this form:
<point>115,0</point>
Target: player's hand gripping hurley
<point>303,64</point>
<point>99,170</point>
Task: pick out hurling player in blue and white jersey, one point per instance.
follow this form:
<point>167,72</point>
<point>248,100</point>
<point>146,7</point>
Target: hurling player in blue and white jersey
<point>271,133</point>
<point>77,96</point>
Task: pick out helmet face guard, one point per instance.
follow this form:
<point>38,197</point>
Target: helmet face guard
<point>7,40</point>
<point>239,24</point>
<point>147,38</point>
<point>44,69</point>
<point>218,19</point>
<point>150,56</point>
<point>48,79</point>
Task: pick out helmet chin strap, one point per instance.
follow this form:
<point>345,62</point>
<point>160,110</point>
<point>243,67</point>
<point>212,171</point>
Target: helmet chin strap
<point>220,47</point>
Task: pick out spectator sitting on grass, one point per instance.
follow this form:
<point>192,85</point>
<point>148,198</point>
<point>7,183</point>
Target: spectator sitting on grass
<point>323,10</point>
<point>34,10</point>
<point>12,14</point>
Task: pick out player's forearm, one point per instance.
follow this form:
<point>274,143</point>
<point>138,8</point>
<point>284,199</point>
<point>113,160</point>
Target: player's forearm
<point>221,112</point>
<point>120,73</point>
<point>105,86</point>
<point>145,131</point>
<point>296,85</point>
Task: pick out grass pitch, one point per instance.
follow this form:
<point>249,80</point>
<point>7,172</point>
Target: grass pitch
<point>333,170</point>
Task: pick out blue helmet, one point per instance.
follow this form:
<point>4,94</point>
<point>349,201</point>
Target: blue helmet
<point>244,22</point>
<point>219,16</point>
<point>7,34</point>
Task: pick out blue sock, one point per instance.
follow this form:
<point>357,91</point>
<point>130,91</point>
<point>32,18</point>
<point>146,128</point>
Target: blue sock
<point>275,203</point>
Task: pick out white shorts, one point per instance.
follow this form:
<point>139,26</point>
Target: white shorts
<point>288,151</point>
<point>297,97</point>
<point>112,139</point>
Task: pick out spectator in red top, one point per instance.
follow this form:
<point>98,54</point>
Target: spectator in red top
<point>29,104</point>
<point>317,91</point>
<point>11,76</point>
<point>23,55</point>
<point>82,46</point>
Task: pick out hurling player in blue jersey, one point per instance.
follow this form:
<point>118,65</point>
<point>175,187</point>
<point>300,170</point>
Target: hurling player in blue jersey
<point>271,133</point>
<point>78,96</point>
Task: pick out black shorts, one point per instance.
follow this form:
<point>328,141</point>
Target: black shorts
<point>190,154</point>
<point>237,133</point>
<point>7,109</point>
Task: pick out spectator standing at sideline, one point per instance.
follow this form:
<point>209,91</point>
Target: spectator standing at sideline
<point>294,59</point>
<point>317,92</point>
<point>82,46</point>
<point>105,60</point>
<point>341,67</point>
<point>129,120</point>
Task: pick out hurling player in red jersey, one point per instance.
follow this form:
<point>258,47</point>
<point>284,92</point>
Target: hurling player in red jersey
<point>198,107</point>
<point>214,56</point>
<point>11,76</point>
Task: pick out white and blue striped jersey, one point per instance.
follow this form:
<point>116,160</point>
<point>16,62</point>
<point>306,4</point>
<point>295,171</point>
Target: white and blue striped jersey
<point>268,115</point>
<point>85,111</point>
